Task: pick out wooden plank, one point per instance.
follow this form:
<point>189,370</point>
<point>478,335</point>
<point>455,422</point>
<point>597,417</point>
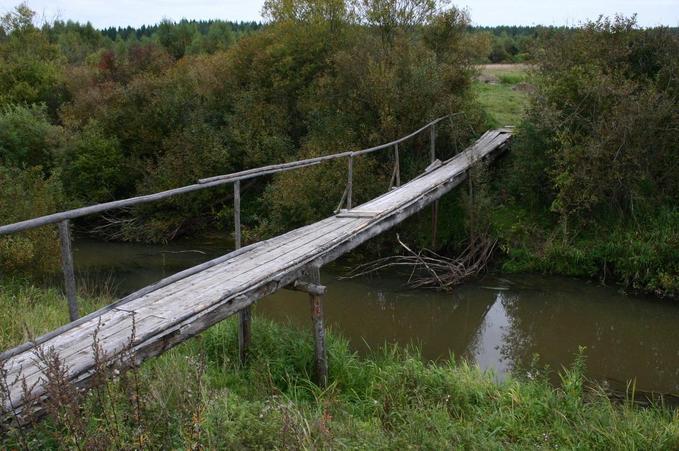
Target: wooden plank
<point>197,304</point>
<point>357,214</point>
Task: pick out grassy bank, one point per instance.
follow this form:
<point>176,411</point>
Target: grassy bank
<point>198,395</point>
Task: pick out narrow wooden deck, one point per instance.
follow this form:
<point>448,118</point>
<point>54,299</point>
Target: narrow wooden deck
<point>177,309</point>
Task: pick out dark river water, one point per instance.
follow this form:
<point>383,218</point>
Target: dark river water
<point>500,323</point>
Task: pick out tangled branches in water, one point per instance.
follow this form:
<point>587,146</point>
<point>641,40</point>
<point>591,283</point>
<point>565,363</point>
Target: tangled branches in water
<point>431,270</point>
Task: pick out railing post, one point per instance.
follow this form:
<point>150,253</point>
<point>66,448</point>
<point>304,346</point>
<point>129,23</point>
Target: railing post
<point>432,143</point>
<point>350,182</point>
<point>236,214</point>
<point>397,162</point>
<point>245,315</point>
<point>67,266</point>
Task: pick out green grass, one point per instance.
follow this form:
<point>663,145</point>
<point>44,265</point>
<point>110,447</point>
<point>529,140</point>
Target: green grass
<point>198,395</point>
<point>504,99</point>
<point>27,311</point>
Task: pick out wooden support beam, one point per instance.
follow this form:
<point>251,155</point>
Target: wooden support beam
<point>350,182</point>
<point>316,304</point>
<point>432,143</point>
<point>397,164</point>
<point>236,215</point>
<point>68,269</point>
<point>434,223</point>
<point>244,333</point>
<point>435,206</point>
<point>307,287</point>
<point>245,315</point>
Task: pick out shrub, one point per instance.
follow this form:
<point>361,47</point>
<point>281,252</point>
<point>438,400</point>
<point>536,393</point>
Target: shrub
<point>25,194</point>
<point>27,138</point>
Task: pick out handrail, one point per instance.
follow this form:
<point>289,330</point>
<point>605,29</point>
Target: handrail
<point>202,184</point>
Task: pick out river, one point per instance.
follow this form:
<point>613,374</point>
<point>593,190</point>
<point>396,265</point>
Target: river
<point>499,322</point>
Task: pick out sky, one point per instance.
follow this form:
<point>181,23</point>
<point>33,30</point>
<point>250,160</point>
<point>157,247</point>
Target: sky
<point>105,13</point>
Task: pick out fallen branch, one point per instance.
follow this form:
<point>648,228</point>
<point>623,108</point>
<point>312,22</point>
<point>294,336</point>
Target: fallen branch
<point>431,270</point>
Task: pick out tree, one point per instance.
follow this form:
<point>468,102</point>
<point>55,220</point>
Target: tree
<point>27,138</point>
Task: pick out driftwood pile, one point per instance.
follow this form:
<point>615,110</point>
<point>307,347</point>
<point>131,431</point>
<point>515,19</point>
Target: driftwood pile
<point>431,270</point>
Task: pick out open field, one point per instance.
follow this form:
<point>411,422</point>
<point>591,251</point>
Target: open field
<point>503,91</point>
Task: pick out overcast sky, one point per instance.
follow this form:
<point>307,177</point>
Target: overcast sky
<point>104,13</point>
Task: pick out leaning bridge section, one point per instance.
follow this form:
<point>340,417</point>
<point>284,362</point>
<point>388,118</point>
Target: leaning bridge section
<point>185,304</point>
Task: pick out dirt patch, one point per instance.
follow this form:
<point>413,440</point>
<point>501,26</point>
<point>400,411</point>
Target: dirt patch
<point>524,87</point>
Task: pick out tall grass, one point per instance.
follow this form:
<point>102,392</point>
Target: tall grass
<point>198,395</point>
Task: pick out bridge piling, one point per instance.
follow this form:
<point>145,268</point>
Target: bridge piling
<point>435,206</point>
<point>316,304</point>
<point>245,315</point>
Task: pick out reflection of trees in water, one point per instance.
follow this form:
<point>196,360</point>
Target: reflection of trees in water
<point>624,340</point>
<point>518,346</point>
<point>471,313</point>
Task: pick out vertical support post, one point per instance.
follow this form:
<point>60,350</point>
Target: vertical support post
<point>432,143</point>
<point>435,206</point>
<point>472,212</point>
<point>245,315</point>
<point>350,182</point>
<point>67,265</point>
<point>236,213</point>
<point>320,354</point>
<point>397,162</point>
<point>434,223</point>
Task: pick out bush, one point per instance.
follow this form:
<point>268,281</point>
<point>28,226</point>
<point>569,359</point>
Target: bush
<point>27,138</point>
<point>594,163</point>
<point>94,168</point>
<point>25,194</point>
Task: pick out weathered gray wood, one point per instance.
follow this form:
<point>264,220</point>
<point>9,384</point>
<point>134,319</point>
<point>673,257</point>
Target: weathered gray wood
<point>236,214</point>
<point>307,287</point>
<point>244,333</point>
<point>67,267</point>
<point>397,163</point>
<point>350,181</point>
<point>318,328</point>
<point>434,223</point>
<point>245,315</point>
<point>169,316</point>
<point>119,304</point>
<point>357,214</point>
<point>432,143</point>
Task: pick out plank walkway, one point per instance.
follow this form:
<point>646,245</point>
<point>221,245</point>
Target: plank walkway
<point>169,313</point>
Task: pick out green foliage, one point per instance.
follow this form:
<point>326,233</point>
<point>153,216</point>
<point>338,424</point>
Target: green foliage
<point>24,194</point>
<point>199,396</point>
<point>93,167</point>
<point>598,148</point>
<point>27,311</point>
<point>27,138</point>
<point>30,66</point>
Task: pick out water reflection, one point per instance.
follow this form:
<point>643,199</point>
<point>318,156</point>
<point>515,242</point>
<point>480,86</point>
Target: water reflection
<point>500,323</point>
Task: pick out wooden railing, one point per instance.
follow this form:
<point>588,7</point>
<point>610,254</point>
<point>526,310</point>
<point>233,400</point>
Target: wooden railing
<point>64,218</point>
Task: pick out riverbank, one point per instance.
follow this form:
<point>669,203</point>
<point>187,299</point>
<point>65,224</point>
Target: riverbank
<point>198,395</point>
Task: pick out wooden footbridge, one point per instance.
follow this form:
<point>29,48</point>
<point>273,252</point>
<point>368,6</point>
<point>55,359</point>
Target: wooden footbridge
<point>158,317</point>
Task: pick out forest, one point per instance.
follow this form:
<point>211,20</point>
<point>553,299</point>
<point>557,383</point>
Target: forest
<point>589,189</point>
